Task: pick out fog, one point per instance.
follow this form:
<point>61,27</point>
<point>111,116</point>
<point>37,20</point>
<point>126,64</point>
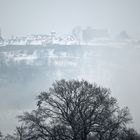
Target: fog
<point>115,67</point>
<point>21,81</point>
<point>23,17</point>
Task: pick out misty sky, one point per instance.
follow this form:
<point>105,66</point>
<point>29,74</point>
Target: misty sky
<point>24,17</point>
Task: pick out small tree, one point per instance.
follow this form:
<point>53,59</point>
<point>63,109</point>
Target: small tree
<point>9,137</point>
<point>129,134</point>
<point>76,110</point>
<point>0,135</point>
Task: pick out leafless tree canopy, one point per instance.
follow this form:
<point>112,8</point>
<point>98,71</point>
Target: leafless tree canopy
<point>75,110</point>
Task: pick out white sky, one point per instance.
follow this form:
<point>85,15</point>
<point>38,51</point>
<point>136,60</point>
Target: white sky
<point>22,17</point>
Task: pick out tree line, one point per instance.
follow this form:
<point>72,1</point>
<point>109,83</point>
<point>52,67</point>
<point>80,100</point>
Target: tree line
<point>75,110</point>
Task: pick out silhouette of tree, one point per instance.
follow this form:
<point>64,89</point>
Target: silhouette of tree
<point>76,110</point>
<point>1,135</point>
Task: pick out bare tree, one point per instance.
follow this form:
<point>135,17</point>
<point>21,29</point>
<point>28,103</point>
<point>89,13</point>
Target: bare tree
<point>75,110</point>
<point>1,135</point>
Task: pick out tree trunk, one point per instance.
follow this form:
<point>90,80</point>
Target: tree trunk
<point>84,135</point>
